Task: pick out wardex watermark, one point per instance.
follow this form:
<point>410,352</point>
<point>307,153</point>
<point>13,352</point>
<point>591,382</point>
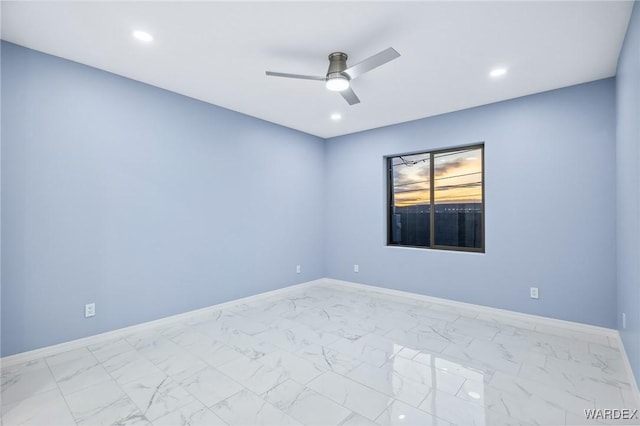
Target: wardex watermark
<point>611,414</point>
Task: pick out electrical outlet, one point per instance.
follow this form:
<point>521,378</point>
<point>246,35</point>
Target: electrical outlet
<point>624,320</point>
<point>533,292</point>
<point>356,268</point>
<point>298,269</point>
<point>89,310</point>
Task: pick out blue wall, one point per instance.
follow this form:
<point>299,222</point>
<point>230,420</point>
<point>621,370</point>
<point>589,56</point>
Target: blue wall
<point>628,190</point>
<point>550,206</point>
<point>143,201</point>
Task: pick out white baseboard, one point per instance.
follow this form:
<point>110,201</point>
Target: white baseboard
<point>539,321</point>
<point>98,338</point>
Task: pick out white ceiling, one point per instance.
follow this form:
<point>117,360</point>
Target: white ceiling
<point>218,51</point>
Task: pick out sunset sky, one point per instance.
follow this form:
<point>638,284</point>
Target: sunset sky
<point>458,177</point>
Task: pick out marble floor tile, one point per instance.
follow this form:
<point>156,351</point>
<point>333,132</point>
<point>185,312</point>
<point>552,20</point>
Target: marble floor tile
<point>153,346</point>
<point>504,320</point>
<point>389,382</point>
<point>306,405</point>
<point>253,374</point>
<point>182,334</point>
<point>451,333</point>
<point>249,326</point>
<point>194,414</point>
<point>21,368</point>
<point>210,386</point>
<point>631,399</point>
<point>355,419</point>
<point>157,395</point>
<point>579,420</point>
<point>564,399</point>
<point>316,317</point>
<point>524,341</point>
<point>399,413</point>
<point>352,395</point>
<point>495,418</point>
<point>408,353</point>
<point>427,375</point>
<point>280,323</point>
<point>295,367</point>
<point>529,410</point>
<point>285,339</point>
<point>432,342</point>
<point>104,404</point>
<point>613,342</point>
<point>76,371</point>
<point>351,330</point>
<point>435,311</point>
<point>253,347</point>
<point>572,334</point>
<point>103,351</point>
<point>327,354</point>
<point>246,408</point>
<point>127,367</point>
<point>211,319</point>
<point>317,335</point>
<point>373,340</point>
<point>65,357</point>
<point>169,357</point>
<point>484,355</point>
<point>385,320</point>
<point>26,382</point>
<point>181,365</point>
<point>604,388</point>
<point>212,352</point>
<point>593,366</point>
<point>472,390</point>
<point>226,324</point>
<point>453,367</point>
<point>325,359</point>
<point>605,358</point>
<point>43,408</point>
<point>453,409</point>
<point>360,350</point>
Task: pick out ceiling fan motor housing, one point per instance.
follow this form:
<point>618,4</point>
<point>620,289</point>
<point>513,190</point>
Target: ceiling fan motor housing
<point>339,76</point>
<point>337,64</point>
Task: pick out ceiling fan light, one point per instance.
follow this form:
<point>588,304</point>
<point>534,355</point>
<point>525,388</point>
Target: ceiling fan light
<point>143,36</point>
<point>337,83</point>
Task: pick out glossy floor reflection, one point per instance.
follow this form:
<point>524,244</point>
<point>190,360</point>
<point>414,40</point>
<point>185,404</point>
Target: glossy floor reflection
<point>327,355</point>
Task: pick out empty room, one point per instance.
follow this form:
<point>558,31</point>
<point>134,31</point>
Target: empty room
<point>320,213</point>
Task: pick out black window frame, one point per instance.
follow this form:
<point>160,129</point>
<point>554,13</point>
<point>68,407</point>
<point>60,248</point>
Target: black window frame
<point>432,154</point>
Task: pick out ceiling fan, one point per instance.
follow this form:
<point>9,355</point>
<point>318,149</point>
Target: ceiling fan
<point>339,75</point>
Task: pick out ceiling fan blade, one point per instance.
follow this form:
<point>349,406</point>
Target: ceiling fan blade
<point>350,96</point>
<point>372,62</point>
<point>303,77</point>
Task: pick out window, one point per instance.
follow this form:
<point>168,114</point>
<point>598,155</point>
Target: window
<point>449,183</point>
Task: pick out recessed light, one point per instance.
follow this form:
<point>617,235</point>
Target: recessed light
<point>498,72</point>
<point>474,395</point>
<point>401,417</point>
<point>143,36</point>
<point>335,116</point>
